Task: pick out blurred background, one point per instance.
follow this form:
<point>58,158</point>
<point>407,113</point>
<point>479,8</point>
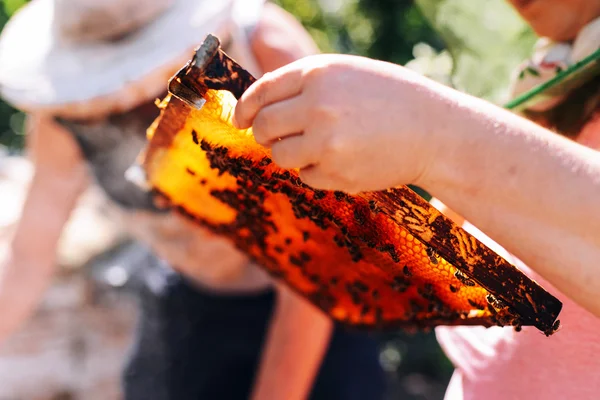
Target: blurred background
<point>382,29</point>
<point>90,311</point>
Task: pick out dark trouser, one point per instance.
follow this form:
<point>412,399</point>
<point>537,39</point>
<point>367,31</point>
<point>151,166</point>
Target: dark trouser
<point>194,345</point>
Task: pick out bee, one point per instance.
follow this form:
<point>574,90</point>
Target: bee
<point>195,137</point>
<point>476,305</point>
<point>373,206</point>
<point>465,280</point>
<point>189,171</point>
<point>495,302</point>
<point>432,254</point>
<point>400,284</point>
<point>553,329</point>
<point>365,310</point>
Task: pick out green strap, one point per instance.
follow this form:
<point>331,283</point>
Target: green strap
<point>561,76</point>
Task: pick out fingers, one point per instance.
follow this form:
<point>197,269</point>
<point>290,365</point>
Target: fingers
<point>279,120</point>
<point>314,177</point>
<point>273,87</point>
<point>294,152</point>
<point>318,176</point>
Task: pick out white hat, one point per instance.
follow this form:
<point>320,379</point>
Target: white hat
<point>79,57</point>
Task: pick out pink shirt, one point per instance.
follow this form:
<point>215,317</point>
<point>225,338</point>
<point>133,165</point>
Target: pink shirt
<point>499,363</point>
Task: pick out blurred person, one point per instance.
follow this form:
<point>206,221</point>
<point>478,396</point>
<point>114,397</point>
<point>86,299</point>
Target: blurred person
<point>88,72</point>
<point>534,192</point>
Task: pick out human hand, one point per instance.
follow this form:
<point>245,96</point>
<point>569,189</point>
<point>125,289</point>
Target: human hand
<point>348,123</point>
<point>190,249</point>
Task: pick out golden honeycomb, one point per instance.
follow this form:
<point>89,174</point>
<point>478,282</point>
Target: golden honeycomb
<point>378,260</point>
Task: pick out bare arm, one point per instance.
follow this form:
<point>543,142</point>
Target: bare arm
<point>299,333</point>
<point>296,343</point>
<point>58,180</point>
<point>280,39</point>
<point>534,192</point>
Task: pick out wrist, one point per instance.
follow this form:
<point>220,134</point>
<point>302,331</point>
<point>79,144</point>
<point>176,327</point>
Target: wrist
<point>414,118</point>
<point>445,141</point>
<point>468,138</point>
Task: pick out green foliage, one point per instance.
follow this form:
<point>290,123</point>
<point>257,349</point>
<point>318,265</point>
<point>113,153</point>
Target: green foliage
<point>382,29</point>
<point>10,6</point>
<point>397,25</point>
<point>473,48</point>
<point>11,120</point>
<point>486,42</point>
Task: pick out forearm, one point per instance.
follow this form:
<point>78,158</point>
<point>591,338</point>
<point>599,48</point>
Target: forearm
<point>29,264</point>
<point>21,289</point>
<point>27,268</point>
<point>46,210</point>
<point>535,193</point>
<point>298,338</point>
